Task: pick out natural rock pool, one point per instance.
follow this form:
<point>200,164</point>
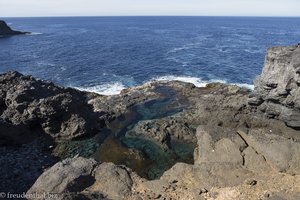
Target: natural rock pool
<point>123,144</point>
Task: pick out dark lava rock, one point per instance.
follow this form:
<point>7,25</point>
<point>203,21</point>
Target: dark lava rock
<point>21,165</point>
<point>5,30</point>
<point>277,89</point>
<point>29,107</point>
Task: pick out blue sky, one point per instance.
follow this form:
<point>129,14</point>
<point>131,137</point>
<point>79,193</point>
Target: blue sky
<point>20,8</point>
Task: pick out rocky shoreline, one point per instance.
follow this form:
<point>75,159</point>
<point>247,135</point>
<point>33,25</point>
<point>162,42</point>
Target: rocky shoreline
<point>167,140</point>
<point>5,30</point>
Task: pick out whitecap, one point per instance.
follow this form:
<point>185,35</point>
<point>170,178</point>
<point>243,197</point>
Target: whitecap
<point>178,49</point>
<point>45,63</point>
<point>105,89</point>
<point>34,33</point>
<point>254,51</point>
<point>186,47</point>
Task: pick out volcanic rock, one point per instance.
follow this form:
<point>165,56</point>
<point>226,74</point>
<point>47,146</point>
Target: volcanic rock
<point>5,30</point>
<point>33,107</point>
<point>277,89</point>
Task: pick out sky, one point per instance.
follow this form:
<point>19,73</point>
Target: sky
<point>32,8</point>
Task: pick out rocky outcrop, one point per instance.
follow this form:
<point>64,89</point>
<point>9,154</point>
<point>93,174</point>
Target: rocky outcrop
<point>277,89</point>
<point>281,153</point>
<point>79,176</point>
<point>5,30</point>
<point>30,107</point>
<point>228,165</point>
<point>162,131</point>
<point>66,176</point>
<point>242,149</point>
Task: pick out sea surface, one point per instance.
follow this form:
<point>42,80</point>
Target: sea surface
<point>108,54</point>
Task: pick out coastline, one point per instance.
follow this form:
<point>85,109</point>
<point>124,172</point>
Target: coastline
<point>247,142</point>
<point>116,88</point>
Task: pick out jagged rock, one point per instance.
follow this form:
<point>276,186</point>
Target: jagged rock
<point>5,30</point>
<point>39,106</point>
<point>277,89</point>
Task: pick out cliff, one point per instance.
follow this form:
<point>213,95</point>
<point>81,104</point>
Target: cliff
<point>215,142</point>
<point>5,30</point>
<point>277,89</point>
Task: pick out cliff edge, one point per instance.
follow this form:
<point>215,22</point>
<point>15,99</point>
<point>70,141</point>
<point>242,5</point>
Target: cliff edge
<point>277,89</point>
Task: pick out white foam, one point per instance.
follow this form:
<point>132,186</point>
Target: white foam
<point>45,63</point>
<point>34,33</point>
<point>245,85</point>
<point>198,82</point>
<point>105,89</point>
<point>179,49</point>
<point>185,47</point>
<point>116,87</point>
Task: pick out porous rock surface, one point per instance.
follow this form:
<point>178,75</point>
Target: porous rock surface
<point>277,89</point>
<point>30,107</point>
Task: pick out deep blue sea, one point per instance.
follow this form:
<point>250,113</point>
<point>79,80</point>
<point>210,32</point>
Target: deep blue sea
<point>107,54</point>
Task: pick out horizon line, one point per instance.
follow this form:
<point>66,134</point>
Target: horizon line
<point>54,16</point>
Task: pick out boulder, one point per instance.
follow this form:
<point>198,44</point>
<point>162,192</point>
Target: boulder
<point>80,177</point>
<point>69,175</point>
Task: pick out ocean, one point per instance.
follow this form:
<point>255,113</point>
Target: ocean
<point>108,54</point>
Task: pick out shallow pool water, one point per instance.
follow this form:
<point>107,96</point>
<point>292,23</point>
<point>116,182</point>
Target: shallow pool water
<point>141,154</point>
